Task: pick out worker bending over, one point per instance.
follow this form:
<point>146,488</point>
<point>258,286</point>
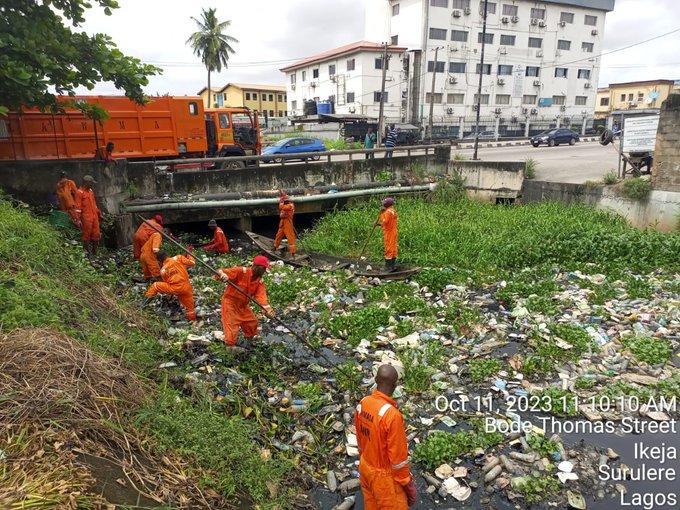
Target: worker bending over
<point>148,257</point>
<point>175,281</point>
<point>66,194</point>
<point>388,221</point>
<point>286,228</point>
<point>88,215</point>
<point>236,311</point>
<point>143,233</point>
<point>219,243</point>
<point>386,480</point>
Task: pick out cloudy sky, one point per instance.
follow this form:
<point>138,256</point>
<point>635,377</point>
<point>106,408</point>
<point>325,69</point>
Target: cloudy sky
<point>272,33</point>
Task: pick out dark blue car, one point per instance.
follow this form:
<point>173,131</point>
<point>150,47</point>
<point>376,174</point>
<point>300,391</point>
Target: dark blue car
<point>555,137</point>
<point>294,146</point>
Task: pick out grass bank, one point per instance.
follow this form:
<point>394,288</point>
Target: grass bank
<point>45,283</point>
<point>440,232</point>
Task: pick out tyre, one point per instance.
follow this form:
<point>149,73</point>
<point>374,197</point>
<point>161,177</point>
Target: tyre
<point>233,165</point>
<point>278,161</point>
<point>572,141</point>
<point>551,143</point>
<point>535,144</point>
<point>316,157</point>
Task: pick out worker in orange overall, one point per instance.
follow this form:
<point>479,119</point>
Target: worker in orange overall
<point>88,215</point>
<point>143,233</point>
<point>148,257</point>
<point>219,243</point>
<point>66,194</point>
<point>286,228</point>
<point>236,311</point>
<point>388,221</point>
<point>386,480</point>
<point>175,281</point>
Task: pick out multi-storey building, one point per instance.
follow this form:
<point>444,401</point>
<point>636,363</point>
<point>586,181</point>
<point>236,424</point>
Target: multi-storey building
<point>268,100</point>
<point>350,77</point>
<point>541,61</point>
<point>634,95</point>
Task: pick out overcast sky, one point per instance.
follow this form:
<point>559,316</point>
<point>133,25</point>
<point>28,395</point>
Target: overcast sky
<point>284,30</point>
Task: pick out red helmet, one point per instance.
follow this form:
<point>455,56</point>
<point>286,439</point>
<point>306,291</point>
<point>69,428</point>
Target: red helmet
<point>261,260</point>
<point>388,202</point>
<point>159,219</point>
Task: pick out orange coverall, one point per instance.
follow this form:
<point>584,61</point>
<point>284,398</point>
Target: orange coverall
<point>388,222</point>
<point>147,257</point>
<point>383,464</point>
<point>286,213</point>
<point>88,214</point>
<point>236,311</point>
<point>219,243</point>
<point>142,236</point>
<point>176,283</point>
<point>66,193</point>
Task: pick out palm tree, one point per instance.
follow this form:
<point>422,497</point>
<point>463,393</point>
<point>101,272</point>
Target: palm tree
<point>211,44</point>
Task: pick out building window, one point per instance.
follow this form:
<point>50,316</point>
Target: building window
<point>584,74</point>
<point>532,71</point>
<point>395,9</point>
<point>279,98</point>
<point>376,97</point>
<point>271,113</point>
<point>487,40</point>
<point>254,96</point>
<point>604,101</point>
<point>490,9</point>
<point>350,64</point>
<point>566,17</point>
<point>535,42</point>
<point>504,70</point>
<point>350,97</point>
<point>315,73</point>
<point>285,113</point>
<point>437,97</point>
<point>559,100</point>
<point>581,100</point>
<point>587,47</point>
<point>459,35</point>
<point>563,45</point>
<point>441,66</point>
<point>455,98</point>
<point>502,98</point>
<point>438,33</point>
<point>509,10</point>
<point>560,72</point>
<point>247,96</point>
<point>487,69</point>
<point>630,97</point>
<point>394,40</point>
<point>439,3</point>
<point>331,70</point>
<point>379,61</point>
<point>623,97</point>
<point>292,78</point>
<point>193,108</point>
<point>280,113</point>
<point>271,98</point>
<point>457,67</point>
<point>484,99</point>
<point>285,97</point>
<point>304,75</point>
<point>537,13</point>
<point>641,96</point>
<point>460,4</point>
<point>507,40</point>
<point>529,99</point>
<point>293,105</point>
<point>590,20</point>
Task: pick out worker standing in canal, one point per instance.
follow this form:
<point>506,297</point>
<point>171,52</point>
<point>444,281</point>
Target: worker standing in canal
<point>148,257</point>
<point>145,230</point>
<point>384,473</point>
<point>219,243</point>
<point>236,311</point>
<point>66,194</point>
<point>286,227</point>
<point>88,215</point>
<point>388,221</point>
<point>175,281</point>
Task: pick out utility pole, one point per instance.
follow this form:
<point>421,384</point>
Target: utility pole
<point>479,86</point>
<point>434,75</point>
<point>381,119</point>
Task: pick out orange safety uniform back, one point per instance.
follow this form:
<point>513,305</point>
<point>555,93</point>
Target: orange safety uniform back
<point>219,242</point>
<point>174,273</point>
<point>66,193</point>
<point>388,222</point>
<point>243,278</point>
<point>142,236</point>
<point>86,204</point>
<point>147,257</point>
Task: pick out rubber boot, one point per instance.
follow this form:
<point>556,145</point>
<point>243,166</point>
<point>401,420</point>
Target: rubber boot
<point>392,265</point>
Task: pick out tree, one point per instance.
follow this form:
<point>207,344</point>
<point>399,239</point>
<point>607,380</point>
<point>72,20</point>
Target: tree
<point>39,52</point>
<point>211,44</point>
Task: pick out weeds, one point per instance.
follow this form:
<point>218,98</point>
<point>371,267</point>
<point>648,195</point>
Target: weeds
<point>359,324</point>
<point>462,318</point>
<point>348,377</point>
<point>482,369</point>
<point>610,178</point>
<point>530,165</point>
<point>383,176</point>
<point>416,372</point>
<point>542,444</point>
<point>440,447</point>
<point>649,349</point>
<point>558,402</point>
<point>536,488</point>
<point>636,188</point>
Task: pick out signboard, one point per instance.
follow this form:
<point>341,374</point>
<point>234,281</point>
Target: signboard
<point>518,83</point>
<point>545,101</point>
<point>639,133</point>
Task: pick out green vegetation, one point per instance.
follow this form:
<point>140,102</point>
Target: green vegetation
<point>348,377</point>
<point>462,318</point>
<point>610,178</point>
<point>636,188</point>
<point>638,288</point>
<point>285,286</point>
<point>649,349</point>
<point>383,176</point>
<point>584,383</point>
<point>359,324</point>
<point>535,285</point>
<point>530,165</point>
<point>416,373</point>
<point>313,393</point>
<point>558,401</point>
<point>482,369</point>
<point>537,488</point>
<point>342,145</point>
<point>481,236</point>
<point>440,447</point>
<point>542,444</point>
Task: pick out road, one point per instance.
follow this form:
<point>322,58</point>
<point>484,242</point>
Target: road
<point>585,161</point>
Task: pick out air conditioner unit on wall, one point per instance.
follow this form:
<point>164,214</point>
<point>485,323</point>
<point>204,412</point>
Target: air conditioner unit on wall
<point>534,21</point>
<point>587,85</point>
<point>593,32</point>
<point>563,24</point>
<point>539,53</point>
<point>453,80</point>
<point>505,19</point>
<point>456,13</point>
<point>333,78</point>
<point>453,48</point>
<point>449,111</point>
<point>467,11</point>
<point>500,81</point>
<point>497,111</point>
<point>474,107</point>
<point>534,111</point>
<point>563,108</point>
<point>541,24</point>
<point>292,87</point>
<point>503,50</point>
<point>537,83</point>
<point>312,84</point>
<point>525,110</point>
<point>515,19</point>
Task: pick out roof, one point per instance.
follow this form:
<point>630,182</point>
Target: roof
<point>255,86</point>
<point>601,5</point>
<point>603,89</point>
<point>214,89</point>
<point>647,82</point>
<point>347,49</point>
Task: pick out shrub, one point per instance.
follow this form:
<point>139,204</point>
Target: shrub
<point>348,377</point>
<point>530,165</point>
<point>610,178</point>
<point>558,402</point>
<point>636,188</point>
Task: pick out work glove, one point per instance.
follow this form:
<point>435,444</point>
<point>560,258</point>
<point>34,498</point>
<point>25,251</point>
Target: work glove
<point>411,493</point>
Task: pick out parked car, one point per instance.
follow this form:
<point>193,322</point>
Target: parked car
<point>294,146</point>
<point>555,137</point>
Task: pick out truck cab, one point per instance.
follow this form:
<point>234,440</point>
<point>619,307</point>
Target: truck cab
<point>233,132</point>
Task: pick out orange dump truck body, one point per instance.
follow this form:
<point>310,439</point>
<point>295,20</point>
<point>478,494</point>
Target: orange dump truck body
<point>164,127</point>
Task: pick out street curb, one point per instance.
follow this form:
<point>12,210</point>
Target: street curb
<point>511,143</point>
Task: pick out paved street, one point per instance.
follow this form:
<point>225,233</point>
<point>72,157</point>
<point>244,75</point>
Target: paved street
<point>579,163</point>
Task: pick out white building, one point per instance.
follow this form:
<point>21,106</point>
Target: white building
<point>541,61</point>
<point>350,76</point>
